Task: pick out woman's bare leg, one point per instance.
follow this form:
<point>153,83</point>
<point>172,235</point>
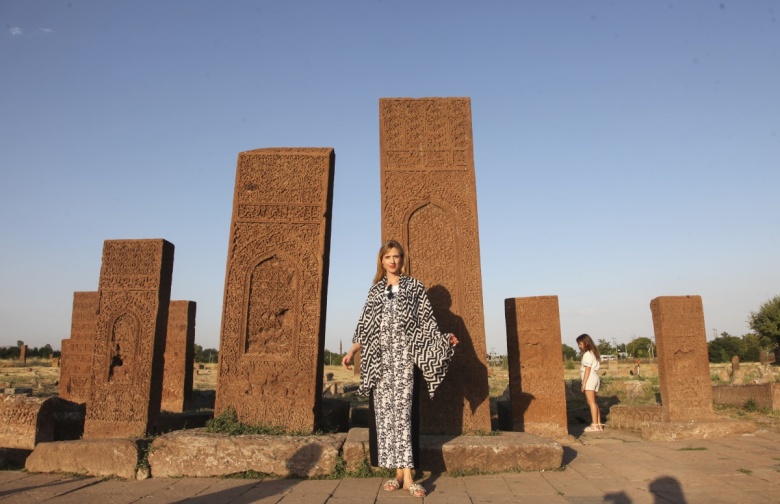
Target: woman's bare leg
<point>595,414</point>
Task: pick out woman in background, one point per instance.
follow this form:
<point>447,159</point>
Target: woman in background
<point>590,379</point>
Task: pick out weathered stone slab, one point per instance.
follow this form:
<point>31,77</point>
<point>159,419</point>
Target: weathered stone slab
<point>696,429</point>
<point>763,395</point>
<point>429,205</point>
<point>127,369</point>
<point>196,453</point>
<point>683,361</point>
<point>27,421</point>
<point>79,349</point>
<point>179,357</point>
<point>93,457</point>
<point>504,452</point>
<point>537,392</point>
<point>23,353</point>
<point>273,319</point>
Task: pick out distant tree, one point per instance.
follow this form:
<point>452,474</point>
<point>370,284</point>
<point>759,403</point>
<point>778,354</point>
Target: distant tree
<point>568,352</point>
<point>604,347</point>
<point>209,355</point>
<point>46,351</point>
<point>332,358</point>
<point>752,348</point>
<point>19,343</point>
<point>198,351</point>
<point>724,347</point>
<point>639,347</point>
<point>766,323</point>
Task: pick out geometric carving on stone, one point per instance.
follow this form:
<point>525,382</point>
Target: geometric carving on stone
<point>683,362</point>
<point>77,351</point>
<point>537,390</point>
<point>429,205</point>
<point>127,368</point>
<point>179,357</point>
<point>273,319</point>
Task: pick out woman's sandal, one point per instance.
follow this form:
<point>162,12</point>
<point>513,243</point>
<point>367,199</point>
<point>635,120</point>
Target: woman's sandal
<point>593,428</point>
<point>417,490</point>
<point>391,485</point>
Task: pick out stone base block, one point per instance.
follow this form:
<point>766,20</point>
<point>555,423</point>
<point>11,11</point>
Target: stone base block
<point>196,453</point>
<point>93,457</point>
<point>504,452</point>
<point>678,431</point>
<point>26,421</point>
<point>634,417</point>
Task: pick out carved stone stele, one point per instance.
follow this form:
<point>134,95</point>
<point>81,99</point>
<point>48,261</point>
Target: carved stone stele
<point>683,361</point>
<point>536,385</point>
<point>179,357</point>
<point>127,368</point>
<point>273,319</point>
<point>77,351</point>
<point>429,204</point>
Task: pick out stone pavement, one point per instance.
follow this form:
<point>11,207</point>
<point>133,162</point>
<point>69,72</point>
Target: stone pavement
<point>614,467</point>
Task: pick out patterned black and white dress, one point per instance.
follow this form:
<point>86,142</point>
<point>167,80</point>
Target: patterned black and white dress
<point>398,333</point>
<point>394,391</point>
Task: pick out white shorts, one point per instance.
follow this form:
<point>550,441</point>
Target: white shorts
<point>593,383</point>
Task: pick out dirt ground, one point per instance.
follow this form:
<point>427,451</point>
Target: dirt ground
<point>43,379</point>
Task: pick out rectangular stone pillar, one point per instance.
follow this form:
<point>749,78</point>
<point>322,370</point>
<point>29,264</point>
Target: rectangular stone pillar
<point>134,290</point>
<point>78,350</point>
<point>536,384</point>
<point>179,357</point>
<point>683,362</point>
<point>429,204</point>
<point>23,353</point>
<point>273,319</point>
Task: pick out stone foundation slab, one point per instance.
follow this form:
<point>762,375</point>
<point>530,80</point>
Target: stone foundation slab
<point>679,431</point>
<point>93,457</point>
<point>504,452</point>
<point>196,453</point>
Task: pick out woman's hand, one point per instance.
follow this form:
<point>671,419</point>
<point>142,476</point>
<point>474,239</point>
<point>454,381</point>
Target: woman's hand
<point>453,340</point>
<point>346,360</point>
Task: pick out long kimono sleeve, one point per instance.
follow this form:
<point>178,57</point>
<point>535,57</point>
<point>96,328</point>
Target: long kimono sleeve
<point>365,334</point>
<point>432,350</point>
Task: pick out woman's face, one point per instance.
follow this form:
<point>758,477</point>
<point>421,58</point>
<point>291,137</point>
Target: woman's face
<point>391,261</point>
<point>581,344</point>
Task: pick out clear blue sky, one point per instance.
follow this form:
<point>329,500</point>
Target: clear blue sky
<point>623,150</point>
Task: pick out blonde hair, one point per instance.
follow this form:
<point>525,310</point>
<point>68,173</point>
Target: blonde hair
<point>391,244</point>
<point>587,342</point>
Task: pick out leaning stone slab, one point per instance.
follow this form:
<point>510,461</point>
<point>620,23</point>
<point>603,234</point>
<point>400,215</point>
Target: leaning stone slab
<point>93,457</point>
<point>680,431</point>
<point>196,453</point>
<point>505,452</point>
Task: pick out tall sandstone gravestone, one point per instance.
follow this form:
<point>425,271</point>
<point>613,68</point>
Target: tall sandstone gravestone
<point>429,204</point>
<point>179,357</point>
<point>536,385</point>
<point>273,320</point>
<point>683,362</point>
<point>127,369</point>
<point>78,350</point>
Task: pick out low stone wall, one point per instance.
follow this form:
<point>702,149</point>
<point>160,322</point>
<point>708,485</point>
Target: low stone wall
<point>764,395</point>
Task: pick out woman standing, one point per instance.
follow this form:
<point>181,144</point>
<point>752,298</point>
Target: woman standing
<point>397,332</point>
<point>590,379</point>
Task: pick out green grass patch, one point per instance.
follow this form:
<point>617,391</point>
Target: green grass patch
<point>745,471</point>
<point>247,475</point>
